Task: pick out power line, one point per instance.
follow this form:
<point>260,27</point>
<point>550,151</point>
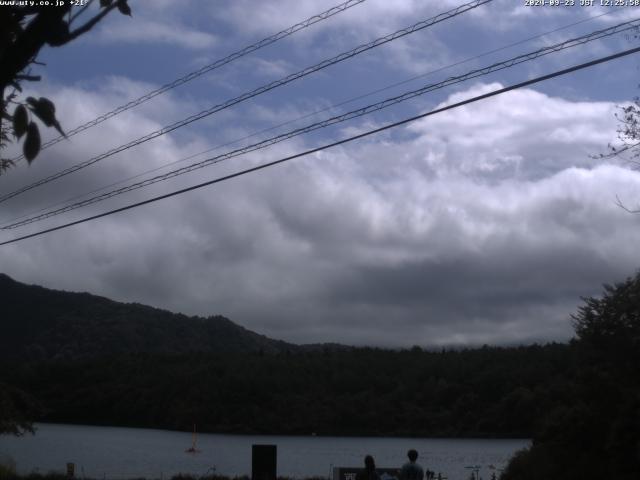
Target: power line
<point>334,144</point>
<point>6,223</point>
<point>334,120</point>
<point>265,88</point>
<point>337,119</point>
<point>206,69</point>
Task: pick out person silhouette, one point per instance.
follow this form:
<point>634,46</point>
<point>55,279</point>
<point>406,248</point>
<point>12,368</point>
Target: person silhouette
<point>369,471</point>
<point>412,470</point>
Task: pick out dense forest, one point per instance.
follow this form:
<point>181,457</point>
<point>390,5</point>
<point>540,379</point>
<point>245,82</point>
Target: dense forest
<point>491,392</point>
<point>596,434</point>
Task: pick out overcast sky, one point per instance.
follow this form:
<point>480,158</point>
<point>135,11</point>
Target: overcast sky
<point>483,224</point>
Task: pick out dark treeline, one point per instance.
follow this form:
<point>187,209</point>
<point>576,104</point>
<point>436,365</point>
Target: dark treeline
<point>487,392</point>
<point>596,434</point>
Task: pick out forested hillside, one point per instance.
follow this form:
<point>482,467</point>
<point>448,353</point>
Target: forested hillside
<point>488,392</point>
<point>88,359</point>
<point>42,324</point>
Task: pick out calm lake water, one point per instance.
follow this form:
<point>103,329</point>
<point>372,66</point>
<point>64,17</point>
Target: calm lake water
<point>118,453</point>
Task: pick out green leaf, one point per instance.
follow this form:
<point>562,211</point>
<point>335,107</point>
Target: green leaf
<point>20,120</point>
<point>124,8</point>
<point>31,146</point>
<point>45,110</point>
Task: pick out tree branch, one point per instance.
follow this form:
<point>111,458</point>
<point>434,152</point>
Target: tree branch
<point>616,151</point>
<point>79,12</point>
<point>91,23</point>
<point>29,78</point>
<point>625,208</point>
<point>28,43</point>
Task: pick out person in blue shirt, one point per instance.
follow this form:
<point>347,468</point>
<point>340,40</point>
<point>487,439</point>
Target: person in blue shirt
<point>412,470</point>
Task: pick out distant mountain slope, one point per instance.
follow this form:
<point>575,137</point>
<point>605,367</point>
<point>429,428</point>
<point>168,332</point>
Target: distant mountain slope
<point>41,324</point>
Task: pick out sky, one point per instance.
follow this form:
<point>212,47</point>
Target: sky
<point>483,224</point>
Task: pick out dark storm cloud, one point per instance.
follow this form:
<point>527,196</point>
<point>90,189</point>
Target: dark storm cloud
<point>494,285</point>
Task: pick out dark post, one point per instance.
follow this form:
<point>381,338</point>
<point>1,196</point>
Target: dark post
<point>263,462</point>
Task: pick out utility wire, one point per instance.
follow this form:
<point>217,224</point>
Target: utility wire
<point>206,69</point>
<point>334,144</point>
<point>265,88</point>
<point>336,119</point>
<point>311,114</point>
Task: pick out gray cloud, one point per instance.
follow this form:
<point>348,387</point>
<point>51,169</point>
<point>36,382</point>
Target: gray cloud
<point>484,225</point>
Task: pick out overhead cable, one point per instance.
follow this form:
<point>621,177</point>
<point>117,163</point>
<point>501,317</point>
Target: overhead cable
<point>265,88</point>
<point>201,71</point>
<point>331,145</point>
<point>336,119</point>
<point>307,115</point>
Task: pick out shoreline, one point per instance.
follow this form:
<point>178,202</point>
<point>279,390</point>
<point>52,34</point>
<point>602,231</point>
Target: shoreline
<point>290,435</point>
<point>115,453</point>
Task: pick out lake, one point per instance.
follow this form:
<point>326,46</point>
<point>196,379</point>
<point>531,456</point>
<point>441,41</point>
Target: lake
<point>119,453</point>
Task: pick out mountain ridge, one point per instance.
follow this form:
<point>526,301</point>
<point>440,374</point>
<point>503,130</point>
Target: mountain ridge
<point>46,324</point>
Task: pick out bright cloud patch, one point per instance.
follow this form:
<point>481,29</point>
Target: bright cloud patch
<point>485,226</point>
<point>155,32</point>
